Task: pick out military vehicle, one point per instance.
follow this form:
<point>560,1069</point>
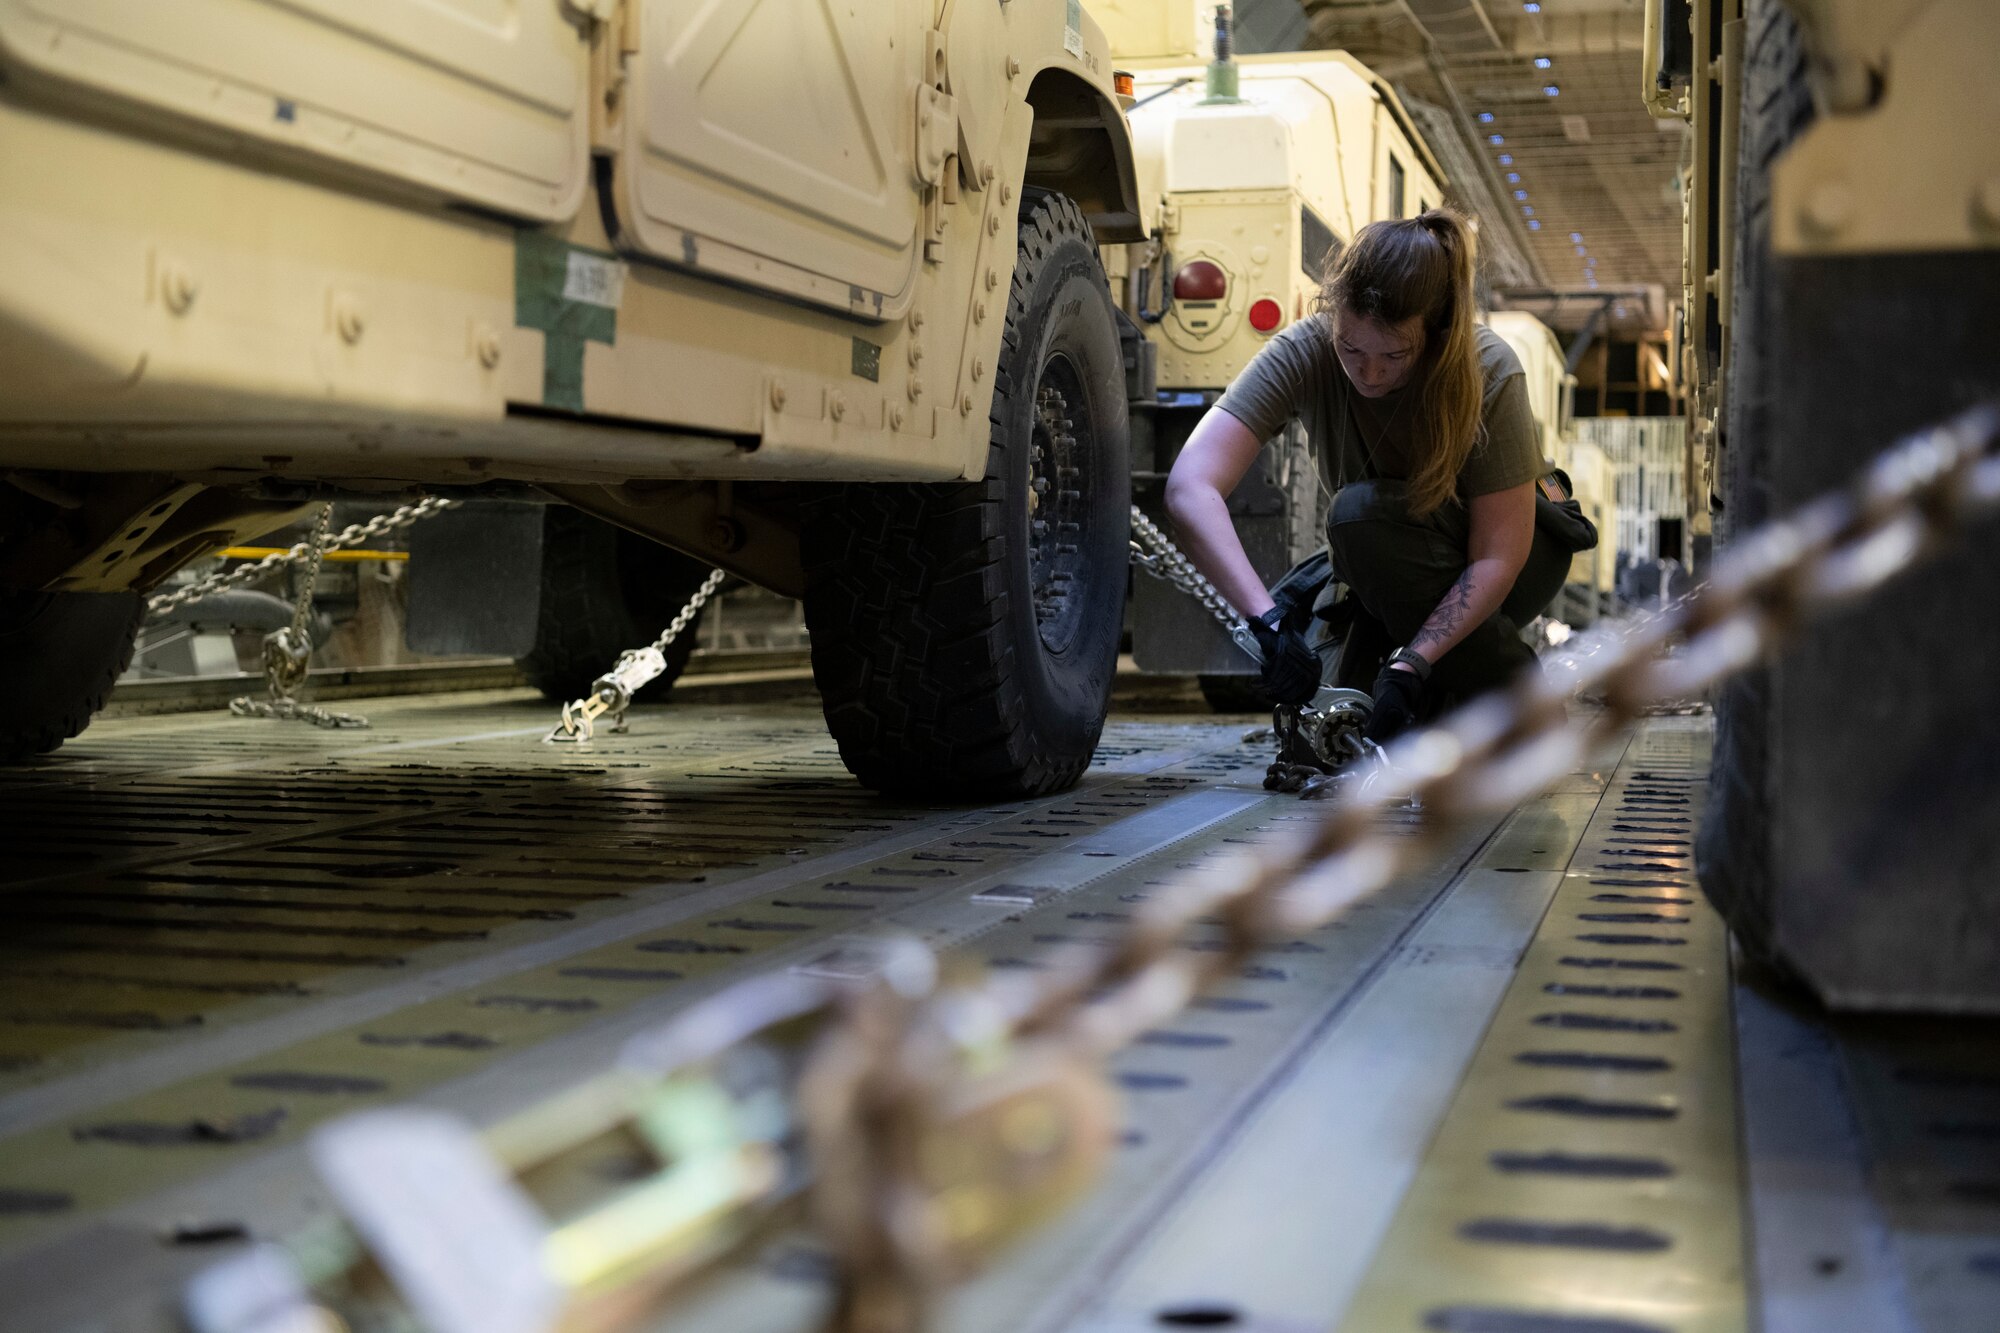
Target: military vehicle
<point>1843,287</point>
<point>1551,397</point>
<point>1264,166</point>
<point>813,296</point>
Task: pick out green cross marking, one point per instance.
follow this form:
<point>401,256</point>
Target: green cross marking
<point>541,269</point>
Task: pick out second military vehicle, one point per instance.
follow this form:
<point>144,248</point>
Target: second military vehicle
<point>1264,167</point>
<point>1843,246</point>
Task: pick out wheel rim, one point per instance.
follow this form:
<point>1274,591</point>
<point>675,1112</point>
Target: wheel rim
<point>1058,497</point>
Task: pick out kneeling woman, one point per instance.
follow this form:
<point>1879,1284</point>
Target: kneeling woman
<point>1419,424</point>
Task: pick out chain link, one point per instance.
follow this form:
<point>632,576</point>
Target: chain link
<point>309,580</point>
<point>611,693</point>
<point>288,651</point>
<point>685,616</point>
<point>354,534</point>
<point>1155,553</point>
<point>1503,748</point>
<point>943,1120</point>
<point>1083,1002</point>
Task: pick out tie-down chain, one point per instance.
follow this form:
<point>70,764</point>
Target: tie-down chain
<point>1317,740</point>
<point>611,693</point>
<point>919,1126</point>
<point>288,651</point>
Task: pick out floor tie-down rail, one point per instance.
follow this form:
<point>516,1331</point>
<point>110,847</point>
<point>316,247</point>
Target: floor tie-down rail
<point>913,1103</point>
<point>917,1065</point>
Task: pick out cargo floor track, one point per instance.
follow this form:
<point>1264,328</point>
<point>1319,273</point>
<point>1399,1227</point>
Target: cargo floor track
<point>1525,1090</point>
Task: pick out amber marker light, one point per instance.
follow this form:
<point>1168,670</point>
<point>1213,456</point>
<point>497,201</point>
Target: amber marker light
<point>1266,315</point>
<point>1121,83</point>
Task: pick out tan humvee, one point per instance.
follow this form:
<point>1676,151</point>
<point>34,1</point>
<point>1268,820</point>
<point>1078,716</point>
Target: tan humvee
<point>662,260</point>
<point>1261,176</point>
<point>1842,270</point>
<point>1263,186</point>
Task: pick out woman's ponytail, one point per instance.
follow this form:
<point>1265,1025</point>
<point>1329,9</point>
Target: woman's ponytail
<point>1423,266</point>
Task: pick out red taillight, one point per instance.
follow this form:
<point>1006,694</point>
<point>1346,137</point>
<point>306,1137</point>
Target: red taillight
<point>1200,281</point>
<point>1266,315</point>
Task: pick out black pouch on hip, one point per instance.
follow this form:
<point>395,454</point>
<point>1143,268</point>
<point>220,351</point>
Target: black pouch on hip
<point>1559,515</point>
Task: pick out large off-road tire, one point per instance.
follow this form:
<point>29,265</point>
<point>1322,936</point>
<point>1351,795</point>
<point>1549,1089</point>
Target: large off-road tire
<point>604,590</point>
<point>1848,836</point>
<point>60,653</point>
<point>964,637</point>
<point>1777,107</point>
<point>1235,694</point>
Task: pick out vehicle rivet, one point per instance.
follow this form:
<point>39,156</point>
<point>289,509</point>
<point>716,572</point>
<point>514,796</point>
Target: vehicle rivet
<point>965,406</point>
<point>985,173</point>
<point>838,407</point>
<point>1828,208</point>
<point>1850,84</point>
<point>347,319</point>
<point>178,287</point>
<point>896,418</point>
<point>978,370</point>
<point>916,388</point>
<point>916,319</point>
<point>486,343</point>
<point>1006,194</point>
<point>777,397</point>
<point>992,279</point>
<point>993,225</point>
<point>726,534</point>
<point>979,312</point>
<point>1013,67</point>
<point>1986,202</point>
<point>916,352</point>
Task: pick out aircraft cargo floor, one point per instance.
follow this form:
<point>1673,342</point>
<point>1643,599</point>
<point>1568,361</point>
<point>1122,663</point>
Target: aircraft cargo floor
<point>1525,1090</point>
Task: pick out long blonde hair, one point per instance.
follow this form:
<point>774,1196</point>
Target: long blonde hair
<point>1422,266</point>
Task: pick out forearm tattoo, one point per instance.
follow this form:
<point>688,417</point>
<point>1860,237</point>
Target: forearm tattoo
<point>1453,611</point>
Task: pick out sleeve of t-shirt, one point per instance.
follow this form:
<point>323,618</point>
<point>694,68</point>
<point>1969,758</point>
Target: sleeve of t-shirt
<point>1511,452</point>
<point>1279,383</point>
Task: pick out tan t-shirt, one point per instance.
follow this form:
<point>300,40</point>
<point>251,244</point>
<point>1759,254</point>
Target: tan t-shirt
<point>1354,437</point>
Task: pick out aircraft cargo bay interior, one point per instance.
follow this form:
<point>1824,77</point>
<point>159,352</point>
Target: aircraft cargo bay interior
<point>959,666</point>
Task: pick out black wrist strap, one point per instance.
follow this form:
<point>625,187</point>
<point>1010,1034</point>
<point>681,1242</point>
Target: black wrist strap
<point>1414,661</point>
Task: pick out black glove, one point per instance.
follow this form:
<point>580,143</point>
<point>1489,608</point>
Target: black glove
<point>1291,669</point>
<point>1398,695</point>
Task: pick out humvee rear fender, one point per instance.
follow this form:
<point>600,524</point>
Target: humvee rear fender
<point>1080,149</point>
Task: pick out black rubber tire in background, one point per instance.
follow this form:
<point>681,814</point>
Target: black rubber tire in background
<point>604,590</point>
<point>1235,694</point>
<point>1849,835</point>
<point>937,675</point>
<point>1734,851</point>
<point>60,654</point>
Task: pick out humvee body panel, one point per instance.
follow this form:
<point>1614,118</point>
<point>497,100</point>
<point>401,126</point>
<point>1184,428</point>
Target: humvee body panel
<point>471,100</point>
<point>781,132</point>
<point>217,302</point>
